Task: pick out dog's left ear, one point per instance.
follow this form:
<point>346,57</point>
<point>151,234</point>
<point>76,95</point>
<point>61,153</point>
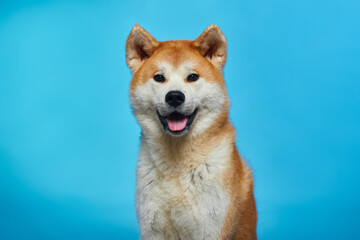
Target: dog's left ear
<point>212,45</point>
<point>140,45</point>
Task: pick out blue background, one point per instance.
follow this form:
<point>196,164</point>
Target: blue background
<point>69,143</point>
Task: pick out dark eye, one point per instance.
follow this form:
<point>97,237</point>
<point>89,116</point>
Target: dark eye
<point>159,78</point>
<point>192,77</point>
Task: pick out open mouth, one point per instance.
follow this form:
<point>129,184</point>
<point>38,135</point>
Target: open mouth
<point>177,122</point>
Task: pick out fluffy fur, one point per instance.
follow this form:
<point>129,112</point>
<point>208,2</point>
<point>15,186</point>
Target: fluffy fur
<point>192,184</point>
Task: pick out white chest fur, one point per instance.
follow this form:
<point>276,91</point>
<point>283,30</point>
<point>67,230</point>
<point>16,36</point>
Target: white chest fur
<point>176,202</point>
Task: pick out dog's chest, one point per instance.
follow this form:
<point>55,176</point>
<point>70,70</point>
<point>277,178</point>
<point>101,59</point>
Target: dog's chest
<point>186,204</point>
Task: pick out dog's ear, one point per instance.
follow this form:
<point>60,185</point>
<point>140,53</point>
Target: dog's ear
<point>140,45</point>
<point>212,45</point>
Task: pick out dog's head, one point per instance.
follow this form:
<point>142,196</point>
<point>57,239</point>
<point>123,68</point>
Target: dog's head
<point>177,86</point>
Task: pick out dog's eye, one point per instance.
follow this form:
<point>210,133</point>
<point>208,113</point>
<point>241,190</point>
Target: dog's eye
<point>192,77</point>
<point>159,78</point>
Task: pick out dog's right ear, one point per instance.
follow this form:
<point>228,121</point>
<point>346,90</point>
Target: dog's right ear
<point>140,45</point>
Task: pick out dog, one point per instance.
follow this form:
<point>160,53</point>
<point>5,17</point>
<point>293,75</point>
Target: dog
<point>191,180</point>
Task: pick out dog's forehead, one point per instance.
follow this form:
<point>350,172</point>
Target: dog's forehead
<point>167,68</point>
<point>177,55</point>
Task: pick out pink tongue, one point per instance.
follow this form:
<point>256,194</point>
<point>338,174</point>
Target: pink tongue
<point>177,125</point>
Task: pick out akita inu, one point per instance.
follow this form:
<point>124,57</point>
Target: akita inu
<point>191,181</point>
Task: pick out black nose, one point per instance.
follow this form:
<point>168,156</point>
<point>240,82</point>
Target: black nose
<point>174,98</point>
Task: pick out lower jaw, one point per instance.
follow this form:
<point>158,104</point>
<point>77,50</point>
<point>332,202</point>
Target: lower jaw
<point>181,132</point>
<point>178,133</point>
